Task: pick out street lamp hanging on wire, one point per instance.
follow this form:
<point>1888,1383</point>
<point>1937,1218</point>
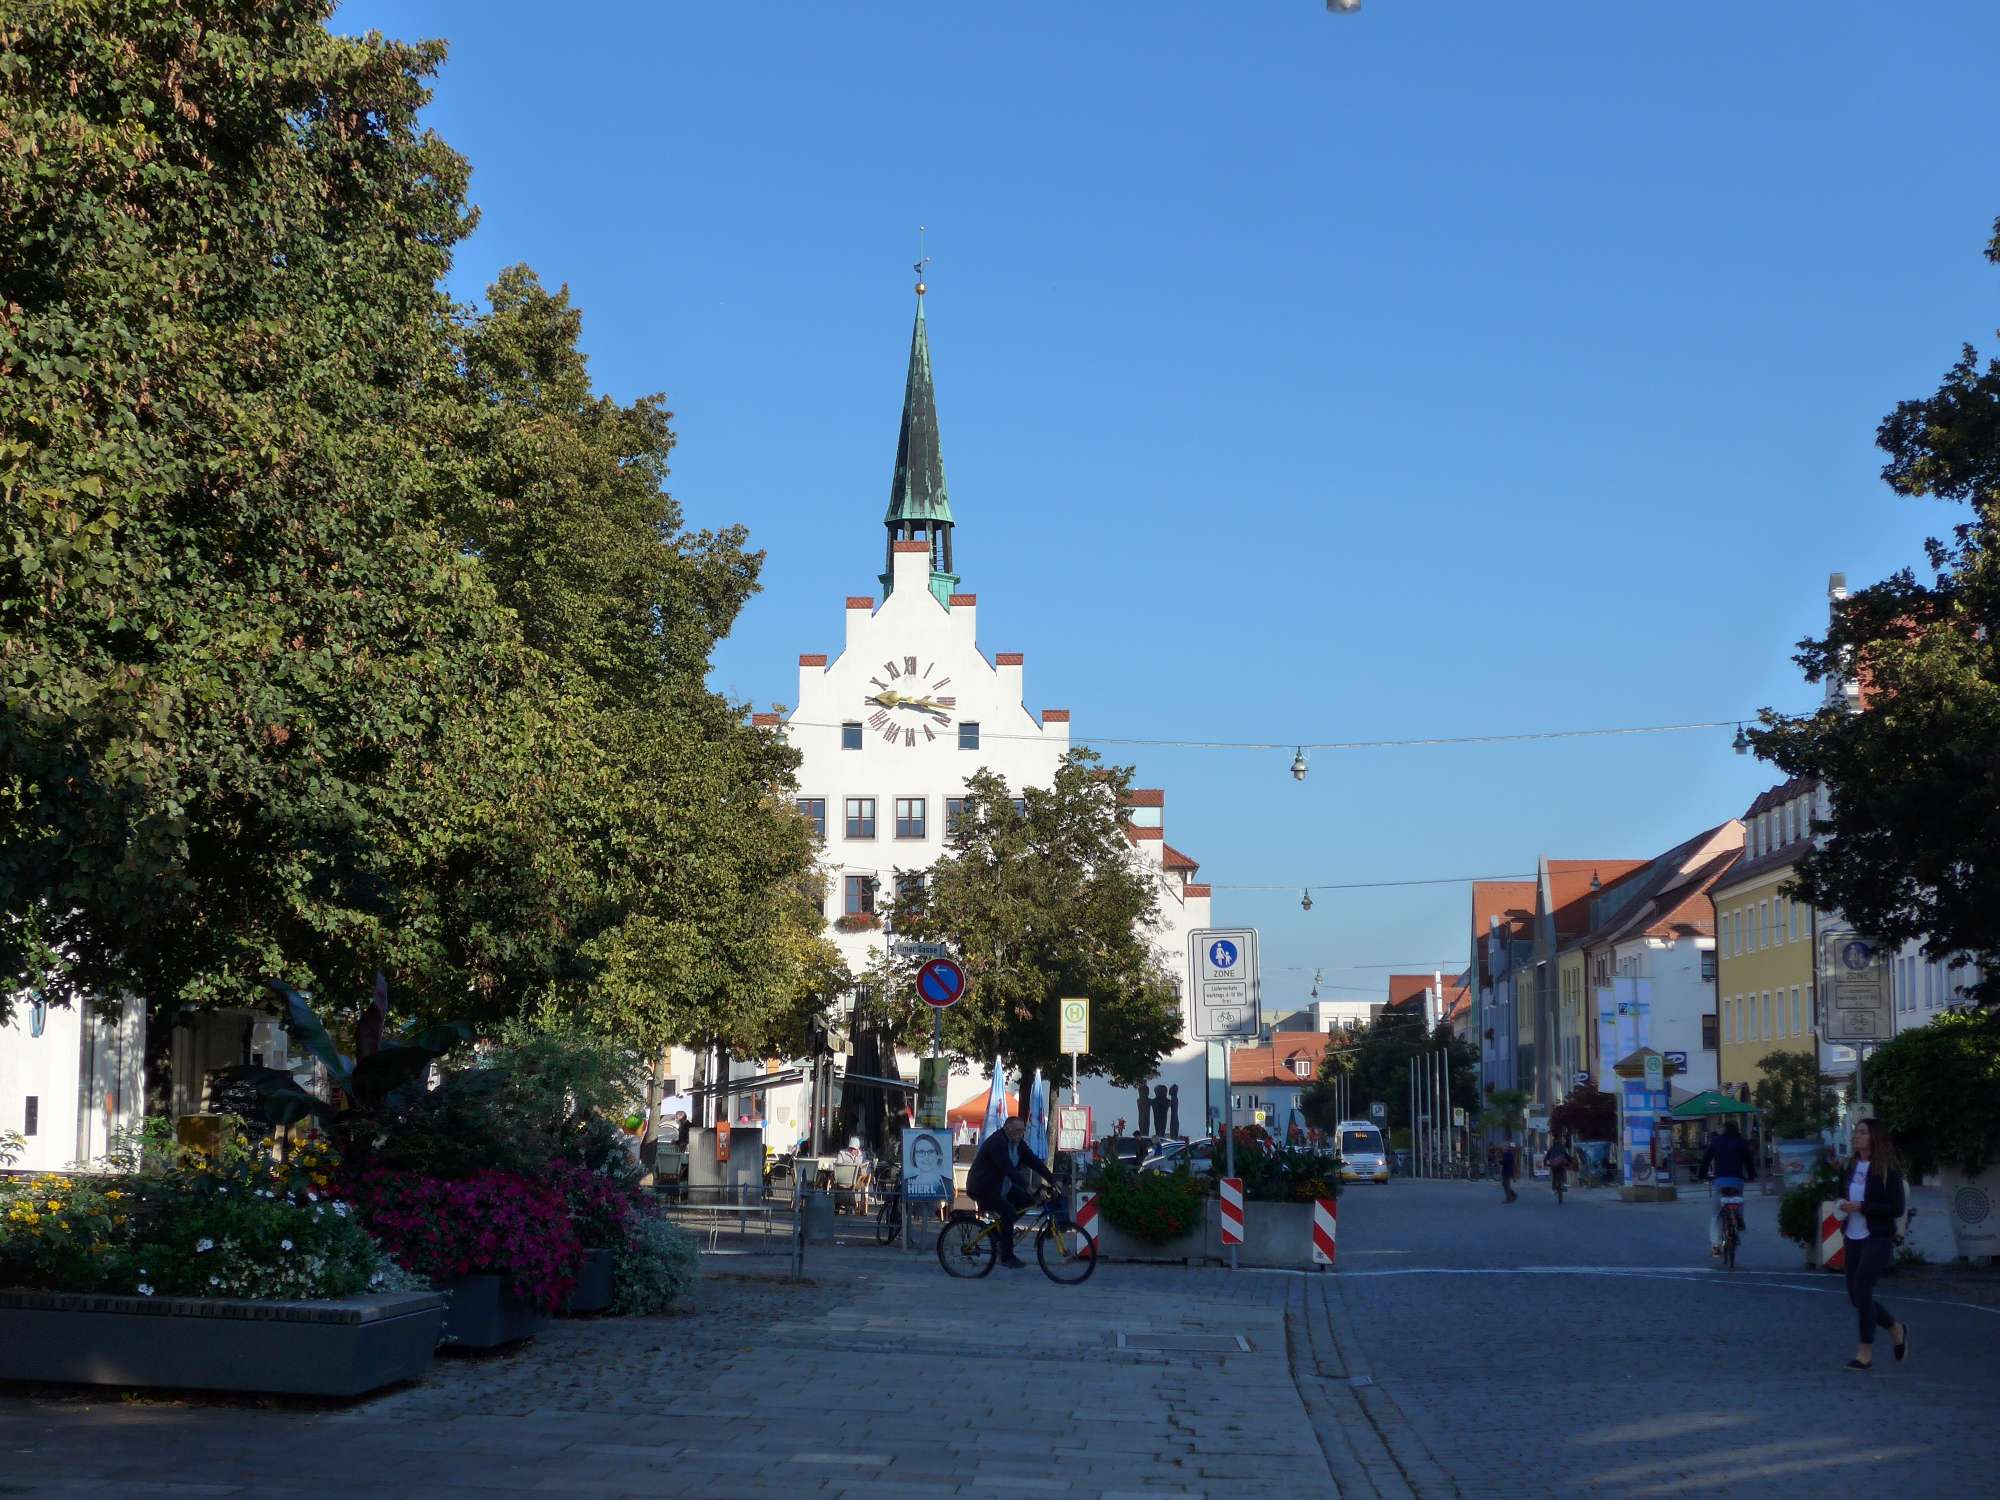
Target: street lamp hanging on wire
<point>1306,904</point>
<point>1741,744</point>
<point>1299,764</point>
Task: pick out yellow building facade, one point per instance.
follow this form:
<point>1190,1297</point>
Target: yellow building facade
<point>1764,941</point>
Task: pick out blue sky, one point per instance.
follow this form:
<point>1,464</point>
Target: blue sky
<point>1453,367</point>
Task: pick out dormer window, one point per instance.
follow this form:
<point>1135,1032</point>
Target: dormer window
<point>1302,1066</point>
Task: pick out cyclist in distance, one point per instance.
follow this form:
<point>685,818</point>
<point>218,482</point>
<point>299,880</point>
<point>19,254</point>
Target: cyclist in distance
<point>1558,1162</point>
<point>999,1181</point>
<point>1727,1164</point>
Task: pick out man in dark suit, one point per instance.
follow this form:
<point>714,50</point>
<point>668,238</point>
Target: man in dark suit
<point>999,1181</point>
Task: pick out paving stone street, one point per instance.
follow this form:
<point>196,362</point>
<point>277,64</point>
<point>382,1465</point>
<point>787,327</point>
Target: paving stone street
<point>1465,1347</point>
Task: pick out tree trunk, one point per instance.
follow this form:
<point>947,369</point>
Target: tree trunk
<point>158,1088</point>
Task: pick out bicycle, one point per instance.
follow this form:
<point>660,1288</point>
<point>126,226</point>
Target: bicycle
<point>1732,1224</point>
<point>969,1246</point>
<point>1559,1179</point>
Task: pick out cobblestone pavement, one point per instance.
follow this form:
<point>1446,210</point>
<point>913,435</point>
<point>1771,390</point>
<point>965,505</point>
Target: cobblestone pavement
<point>1464,1348</point>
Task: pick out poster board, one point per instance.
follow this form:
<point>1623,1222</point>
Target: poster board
<point>927,1164</point>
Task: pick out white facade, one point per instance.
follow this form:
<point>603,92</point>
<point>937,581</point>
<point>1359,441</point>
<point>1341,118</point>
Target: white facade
<point>1681,996</point>
<point>70,1081</point>
<point>888,732</point>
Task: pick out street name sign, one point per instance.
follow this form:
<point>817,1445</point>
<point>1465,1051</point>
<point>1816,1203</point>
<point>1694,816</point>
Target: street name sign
<point>1225,999</point>
<point>919,950</point>
<point>941,983</point>
<point>1076,1025</point>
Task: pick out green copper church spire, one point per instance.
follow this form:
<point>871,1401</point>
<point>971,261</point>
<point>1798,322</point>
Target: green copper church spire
<point>919,509</point>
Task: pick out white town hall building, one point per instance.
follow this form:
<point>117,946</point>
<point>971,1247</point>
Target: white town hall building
<point>890,727</point>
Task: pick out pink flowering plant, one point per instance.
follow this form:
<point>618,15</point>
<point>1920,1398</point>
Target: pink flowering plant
<point>600,1207</point>
<point>491,1222</point>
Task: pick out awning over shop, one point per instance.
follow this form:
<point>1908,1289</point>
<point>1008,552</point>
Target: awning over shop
<point>1710,1103</point>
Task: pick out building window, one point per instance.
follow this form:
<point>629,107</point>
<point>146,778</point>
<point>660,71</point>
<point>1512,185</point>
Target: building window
<point>859,898</point>
<point>32,1125</point>
<point>850,736</point>
<point>1303,1067</point>
<point>814,809</point>
<point>968,735</point>
<point>1798,1012</point>
<point>1020,807</point>
<point>954,809</point>
<point>861,817</point>
<point>1708,1029</point>
<point>1708,965</point>
<point>1767,1033</point>
<point>910,817</point>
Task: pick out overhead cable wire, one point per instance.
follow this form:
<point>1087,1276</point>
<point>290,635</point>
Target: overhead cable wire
<point>1299,745</point>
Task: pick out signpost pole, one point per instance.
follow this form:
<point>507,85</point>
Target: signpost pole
<point>1228,1129</point>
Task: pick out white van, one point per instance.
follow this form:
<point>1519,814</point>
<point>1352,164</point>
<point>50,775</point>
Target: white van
<point>1362,1158</point>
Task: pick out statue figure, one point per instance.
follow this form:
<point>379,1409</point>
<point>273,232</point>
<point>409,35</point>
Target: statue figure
<point>1174,1111</point>
<point>1160,1107</point>
<point>1145,1113</point>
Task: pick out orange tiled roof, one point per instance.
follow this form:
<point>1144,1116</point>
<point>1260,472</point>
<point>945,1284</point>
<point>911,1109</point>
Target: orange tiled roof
<point>1271,1062</point>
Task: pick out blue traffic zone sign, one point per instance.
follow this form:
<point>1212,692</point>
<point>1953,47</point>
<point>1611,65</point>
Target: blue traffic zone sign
<point>1222,954</point>
<point>941,983</point>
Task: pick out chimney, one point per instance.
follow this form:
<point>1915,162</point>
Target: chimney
<point>965,617</point>
<point>812,666</point>
<point>912,564</point>
<point>860,610</point>
<point>1009,665</point>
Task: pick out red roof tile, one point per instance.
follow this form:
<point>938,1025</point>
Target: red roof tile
<point>958,599</point>
<point>1009,659</point>
<point>1175,860</point>
<point>910,546</point>
<point>860,601</point>
<point>1192,891</point>
<point>1145,796</point>
<point>1271,1062</point>
<point>1055,716</point>
<point>812,659</point>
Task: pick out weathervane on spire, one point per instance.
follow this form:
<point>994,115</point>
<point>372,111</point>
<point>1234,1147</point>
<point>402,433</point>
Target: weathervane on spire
<point>922,260</point>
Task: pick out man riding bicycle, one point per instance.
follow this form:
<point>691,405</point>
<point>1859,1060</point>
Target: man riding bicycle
<point>999,1181</point>
<point>1558,1161</point>
<point>1728,1163</point>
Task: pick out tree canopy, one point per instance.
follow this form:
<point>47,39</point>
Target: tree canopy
<point>1378,1066</point>
<point>342,629</point>
<point>1912,846</point>
<point>1797,1099</point>
<point>1039,902</point>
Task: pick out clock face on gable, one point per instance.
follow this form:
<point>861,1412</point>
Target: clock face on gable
<point>909,708</point>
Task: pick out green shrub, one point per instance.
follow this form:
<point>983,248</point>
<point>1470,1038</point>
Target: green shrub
<point>658,1266</point>
<point>1798,1210</point>
<point>1150,1206</point>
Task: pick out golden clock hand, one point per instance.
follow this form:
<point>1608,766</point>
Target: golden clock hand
<point>888,698</point>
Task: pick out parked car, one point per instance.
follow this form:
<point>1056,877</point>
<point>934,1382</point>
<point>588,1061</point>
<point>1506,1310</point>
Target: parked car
<point>1169,1156</point>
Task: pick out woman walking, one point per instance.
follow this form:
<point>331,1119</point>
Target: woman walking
<point>1873,1202</point>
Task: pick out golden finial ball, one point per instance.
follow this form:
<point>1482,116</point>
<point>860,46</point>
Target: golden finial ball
<point>920,289</point>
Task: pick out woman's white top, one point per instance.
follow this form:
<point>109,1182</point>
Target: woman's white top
<point>1857,1189</point>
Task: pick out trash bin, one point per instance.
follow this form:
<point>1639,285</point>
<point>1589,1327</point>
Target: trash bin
<point>817,1213</point>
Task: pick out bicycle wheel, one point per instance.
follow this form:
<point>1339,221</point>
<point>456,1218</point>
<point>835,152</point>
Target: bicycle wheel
<point>967,1247</point>
<point>1729,1248</point>
<point>1065,1252</point>
<point>889,1222</point>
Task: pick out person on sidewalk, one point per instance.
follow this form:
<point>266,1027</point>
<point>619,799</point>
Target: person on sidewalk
<point>999,1181</point>
<point>1509,1165</point>
<point>1728,1163</point>
<point>1874,1200</point>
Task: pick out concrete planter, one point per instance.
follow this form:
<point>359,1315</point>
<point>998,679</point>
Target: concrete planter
<point>1973,1205</point>
<point>1277,1235</point>
<point>335,1348</point>
<point>482,1314</point>
<point>1191,1248</point>
<point>592,1292</point>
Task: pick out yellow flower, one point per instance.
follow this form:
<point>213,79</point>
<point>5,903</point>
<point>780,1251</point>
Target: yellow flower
<point>54,1206</point>
<point>119,1220</point>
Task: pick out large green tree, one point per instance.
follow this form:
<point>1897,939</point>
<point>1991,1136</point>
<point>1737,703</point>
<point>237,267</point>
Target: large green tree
<point>704,923</point>
<point>1912,846</point>
<point>258,715</point>
<point>1041,896</point>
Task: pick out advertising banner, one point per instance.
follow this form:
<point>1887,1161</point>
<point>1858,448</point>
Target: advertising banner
<point>926,1164</point>
<point>933,1076</point>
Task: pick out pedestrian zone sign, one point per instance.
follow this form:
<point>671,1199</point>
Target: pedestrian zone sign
<point>1225,998</point>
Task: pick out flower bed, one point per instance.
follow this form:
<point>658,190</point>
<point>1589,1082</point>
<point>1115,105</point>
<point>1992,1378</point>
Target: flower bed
<point>491,1223</point>
<point>1151,1207</point>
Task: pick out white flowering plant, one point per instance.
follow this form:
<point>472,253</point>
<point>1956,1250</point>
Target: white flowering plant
<point>219,1245</point>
